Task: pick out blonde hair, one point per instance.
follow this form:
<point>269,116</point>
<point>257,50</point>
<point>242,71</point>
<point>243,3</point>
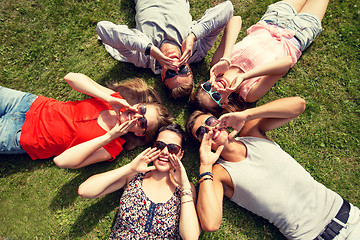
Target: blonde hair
<point>137,91</point>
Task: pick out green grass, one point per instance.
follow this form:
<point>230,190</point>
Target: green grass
<point>41,41</point>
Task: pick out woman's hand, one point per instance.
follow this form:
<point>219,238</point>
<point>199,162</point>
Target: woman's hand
<point>118,103</point>
<point>207,157</point>
<point>141,162</point>
<point>187,48</point>
<point>164,61</point>
<point>218,69</point>
<point>121,129</point>
<point>178,172</point>
<point>236,120</point>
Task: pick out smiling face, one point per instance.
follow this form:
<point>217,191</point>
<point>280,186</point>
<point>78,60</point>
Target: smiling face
<point>151,117</point>
<point>220,136</point>
<point>167,137</point>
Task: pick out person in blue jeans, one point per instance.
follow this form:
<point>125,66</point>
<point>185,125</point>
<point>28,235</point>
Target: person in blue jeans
<point>44,127</point>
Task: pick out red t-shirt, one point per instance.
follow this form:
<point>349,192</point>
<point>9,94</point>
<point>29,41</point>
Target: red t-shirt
<point>53,126</point>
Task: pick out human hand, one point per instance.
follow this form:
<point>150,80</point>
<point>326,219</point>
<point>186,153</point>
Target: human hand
<point>236,120</point>
<point>141,162</point>
<point>207,157</point>
<point>187,48</point>
<point>164,61</point>
<point>178,172</point>
<point>218,69</point>
<point>118,103</point>
<point>121,129</point>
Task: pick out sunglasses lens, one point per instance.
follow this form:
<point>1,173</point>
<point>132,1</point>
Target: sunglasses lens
<point>159,145</point>
<point>216,96</point>
<point>211,121</point>
<point>142,122</point>
<point>207,86</point>
<point>200,132</point>
<point>142,109</point>
<point>170,73</point>
<point>173,148</point>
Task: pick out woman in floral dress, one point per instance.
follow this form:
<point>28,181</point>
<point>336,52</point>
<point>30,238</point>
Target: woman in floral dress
<point>158,200</point>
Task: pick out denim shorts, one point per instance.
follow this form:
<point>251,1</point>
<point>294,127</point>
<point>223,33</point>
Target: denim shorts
<point>307,26</point>
<point>13,108</point>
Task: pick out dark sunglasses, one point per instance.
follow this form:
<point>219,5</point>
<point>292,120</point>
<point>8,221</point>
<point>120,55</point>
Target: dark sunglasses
<point>171,73</point>
<point>210,122</point>
<point>142,122</point>
<point>216,96</point>
<point>172,148</point>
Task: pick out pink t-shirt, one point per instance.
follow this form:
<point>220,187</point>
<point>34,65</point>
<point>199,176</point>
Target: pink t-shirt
<point>53,126</point>
<point>264,43</point>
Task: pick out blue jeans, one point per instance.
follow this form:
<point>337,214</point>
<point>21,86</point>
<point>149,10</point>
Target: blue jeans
<point>13,108</point>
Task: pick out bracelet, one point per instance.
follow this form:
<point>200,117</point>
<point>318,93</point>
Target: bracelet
<point>204,179</point>
<point>204,174</point>
<point>187,201</point>
<point>227,60</point>
<point>182,194</point>
<point>148,48</point>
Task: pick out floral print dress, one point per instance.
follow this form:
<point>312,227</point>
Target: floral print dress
<point>140,218</point>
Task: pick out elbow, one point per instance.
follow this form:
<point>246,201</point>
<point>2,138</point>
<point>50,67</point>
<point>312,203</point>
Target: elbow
<point>83,193</point>
<point>301,105</point>
<point>237,20</point>
<point>210,227</point>
<point>61,163</point>
<point>71,77</point>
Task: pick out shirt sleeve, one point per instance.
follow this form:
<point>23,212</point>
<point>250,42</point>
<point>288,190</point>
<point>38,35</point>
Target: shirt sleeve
<point>213,20</point>
<point>115,147</point>
<point>121,37</point>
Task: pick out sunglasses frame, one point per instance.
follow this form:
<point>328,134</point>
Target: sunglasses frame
<point>178,147</point>
<point>142,110</point>
<point>211,93</point>
<point>202,127</point>
<point>181,69</point>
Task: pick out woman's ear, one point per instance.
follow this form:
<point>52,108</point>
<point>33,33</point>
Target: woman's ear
<point>226,101</point>
<point>181,154</point>
<point>139,134</point>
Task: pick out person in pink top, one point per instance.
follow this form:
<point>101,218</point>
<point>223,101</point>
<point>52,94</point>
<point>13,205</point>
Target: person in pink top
<point>247,70</point>
<point>80,133</point>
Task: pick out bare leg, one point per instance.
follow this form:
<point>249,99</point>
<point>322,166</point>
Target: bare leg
<point>316,7</point>
<point>298,5</point>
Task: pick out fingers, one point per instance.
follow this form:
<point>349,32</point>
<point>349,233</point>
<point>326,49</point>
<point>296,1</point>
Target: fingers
<point>233,134</point>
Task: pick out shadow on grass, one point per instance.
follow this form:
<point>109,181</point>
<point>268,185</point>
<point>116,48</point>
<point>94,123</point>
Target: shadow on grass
<point>12,164</point>
<point>90,216</point>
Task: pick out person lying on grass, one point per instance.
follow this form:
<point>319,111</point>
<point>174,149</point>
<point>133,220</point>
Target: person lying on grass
<point>247,70</point>
<point>158,200</point>
<point>166,39</point>
<point>79,133</point>
<point>255,173</point>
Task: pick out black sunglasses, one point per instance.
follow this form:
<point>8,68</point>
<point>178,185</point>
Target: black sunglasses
<point>142,122</point>
<point>172,148</point>
<point>216,96</point>
<point>211,122</point>
<point>171,73</point>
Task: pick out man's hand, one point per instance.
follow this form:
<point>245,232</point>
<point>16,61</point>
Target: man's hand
<point>187,48</point>
<point>207,157</point>
<point>164,61</point>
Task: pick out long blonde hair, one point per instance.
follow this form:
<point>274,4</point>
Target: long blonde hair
<point>137,91</point>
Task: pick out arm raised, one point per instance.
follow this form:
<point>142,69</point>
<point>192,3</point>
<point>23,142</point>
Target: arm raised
<point>108,182</point>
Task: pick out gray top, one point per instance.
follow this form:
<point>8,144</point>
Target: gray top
<point>271,184</point>
<point>163,21</point>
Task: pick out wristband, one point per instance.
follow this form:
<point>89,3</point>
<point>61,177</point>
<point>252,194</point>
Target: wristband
<point>204,179</point>
<point>226,60</point>
<point>148,48</point>
<point>204,174</point>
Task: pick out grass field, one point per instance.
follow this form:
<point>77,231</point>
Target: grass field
<point>43,40</point>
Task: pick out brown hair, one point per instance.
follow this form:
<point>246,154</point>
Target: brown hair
<point>137,91</point>
<point>191,121</point>
<point>235,104</point>
<point>182,91</point>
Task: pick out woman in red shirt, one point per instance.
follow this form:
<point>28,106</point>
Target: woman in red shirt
<point>84,132</point>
